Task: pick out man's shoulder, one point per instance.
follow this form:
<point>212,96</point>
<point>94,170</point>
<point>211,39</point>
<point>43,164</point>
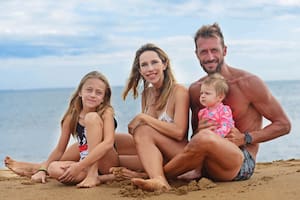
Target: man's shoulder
<point>196,84</point>
<point>240,76</point>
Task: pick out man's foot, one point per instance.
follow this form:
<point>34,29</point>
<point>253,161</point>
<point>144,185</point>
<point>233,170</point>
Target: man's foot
<point>151,184</point>
<point>107,178</point>
<point>190,175</point>
<point>21,168</point>
<point>122,173</point>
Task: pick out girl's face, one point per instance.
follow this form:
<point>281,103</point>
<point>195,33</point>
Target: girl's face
<point>209,97</point>
<point>152,68</point>
<point>92,93</point>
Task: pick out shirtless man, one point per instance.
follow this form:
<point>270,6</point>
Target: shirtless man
<point>232,157</point>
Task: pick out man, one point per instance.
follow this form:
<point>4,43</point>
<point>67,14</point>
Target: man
<point>232,158</point>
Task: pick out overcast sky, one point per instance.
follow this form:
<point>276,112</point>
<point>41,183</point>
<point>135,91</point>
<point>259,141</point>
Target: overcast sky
<point>50,44</point>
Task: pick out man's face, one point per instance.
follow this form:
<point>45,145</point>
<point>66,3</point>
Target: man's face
<point>210,54</point>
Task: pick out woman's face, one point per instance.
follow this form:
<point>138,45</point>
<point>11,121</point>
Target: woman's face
<point>152,68</point>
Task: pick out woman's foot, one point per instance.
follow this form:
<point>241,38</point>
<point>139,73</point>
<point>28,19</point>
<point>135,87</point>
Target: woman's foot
<point>122,173</point>
<point>21,168</point>
<point>154,184</point>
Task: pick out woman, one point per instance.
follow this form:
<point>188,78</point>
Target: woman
<point>160,130</point>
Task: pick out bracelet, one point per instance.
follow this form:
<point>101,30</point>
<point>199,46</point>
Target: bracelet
<point>43,170</point>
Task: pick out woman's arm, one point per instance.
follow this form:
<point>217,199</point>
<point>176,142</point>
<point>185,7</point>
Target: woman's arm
<point>179,128</point>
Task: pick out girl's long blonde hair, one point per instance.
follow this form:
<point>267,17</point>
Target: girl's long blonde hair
<point>75,104</point>
<point>135,76</point>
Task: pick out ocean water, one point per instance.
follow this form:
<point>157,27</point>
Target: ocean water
<point>30,121</point>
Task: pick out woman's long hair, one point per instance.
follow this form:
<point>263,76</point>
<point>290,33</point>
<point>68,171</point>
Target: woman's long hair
<point>135,76</point>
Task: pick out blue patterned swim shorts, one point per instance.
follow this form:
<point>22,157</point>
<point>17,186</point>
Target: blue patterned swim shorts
<point>247,168</point>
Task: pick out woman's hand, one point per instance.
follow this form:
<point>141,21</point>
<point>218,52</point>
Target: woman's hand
<point>39,177</point>
<point>135,122</point>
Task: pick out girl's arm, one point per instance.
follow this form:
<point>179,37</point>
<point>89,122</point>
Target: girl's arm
<point>61,146</point>
<point>56,153</point>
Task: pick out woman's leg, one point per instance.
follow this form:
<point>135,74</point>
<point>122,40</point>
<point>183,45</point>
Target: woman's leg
<point>130,164</point>
<point>150,142</point>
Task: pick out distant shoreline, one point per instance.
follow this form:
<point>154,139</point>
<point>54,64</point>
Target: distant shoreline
<point>116,86</point>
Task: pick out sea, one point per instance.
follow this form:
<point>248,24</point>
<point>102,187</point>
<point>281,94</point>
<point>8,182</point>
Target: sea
<point>30,121</point>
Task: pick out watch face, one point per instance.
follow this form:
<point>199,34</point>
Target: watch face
<point>248,138</point>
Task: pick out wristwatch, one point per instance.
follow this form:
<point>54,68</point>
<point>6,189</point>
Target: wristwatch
<point>248,138</point>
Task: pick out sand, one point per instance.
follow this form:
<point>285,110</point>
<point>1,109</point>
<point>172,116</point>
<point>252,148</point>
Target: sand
<point>272,180</point>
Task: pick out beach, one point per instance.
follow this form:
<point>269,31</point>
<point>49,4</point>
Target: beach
<point>271,180</point>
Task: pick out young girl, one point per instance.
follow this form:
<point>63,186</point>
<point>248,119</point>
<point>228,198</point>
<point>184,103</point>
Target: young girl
<point>213,90</point>
<point>89,118</point>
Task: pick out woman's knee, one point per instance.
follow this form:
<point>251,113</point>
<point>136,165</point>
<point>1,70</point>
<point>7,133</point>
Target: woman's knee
<point>143,134</point>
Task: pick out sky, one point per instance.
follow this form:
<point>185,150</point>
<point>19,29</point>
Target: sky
<point>53,44</point>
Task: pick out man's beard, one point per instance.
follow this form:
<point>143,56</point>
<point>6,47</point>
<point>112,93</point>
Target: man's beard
<point>218,68</point>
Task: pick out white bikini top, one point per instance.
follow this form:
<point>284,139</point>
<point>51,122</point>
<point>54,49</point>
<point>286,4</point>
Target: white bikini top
<point>164,115</point>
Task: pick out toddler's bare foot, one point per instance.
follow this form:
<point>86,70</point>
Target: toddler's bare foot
<point>190,175</point>
<point>154,184</point>
<point>122,173</point>
<point>21,168</point>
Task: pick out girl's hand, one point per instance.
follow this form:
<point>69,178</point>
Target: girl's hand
<point>70,173</point>
<point>39,177</point>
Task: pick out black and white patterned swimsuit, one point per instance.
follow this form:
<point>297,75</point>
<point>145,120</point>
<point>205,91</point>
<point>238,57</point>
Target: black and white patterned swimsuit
<point>82,141</point>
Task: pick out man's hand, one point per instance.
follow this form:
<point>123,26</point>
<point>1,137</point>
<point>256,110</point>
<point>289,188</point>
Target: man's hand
<point>206,124</point>
<point>236,137</point>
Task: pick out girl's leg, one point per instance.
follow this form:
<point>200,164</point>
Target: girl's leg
<point>57,168</point>
<point>29,168</point>
<point>94,131</point>
<point>21,168</point>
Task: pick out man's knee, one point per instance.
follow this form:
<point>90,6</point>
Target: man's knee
<point>202,141</point>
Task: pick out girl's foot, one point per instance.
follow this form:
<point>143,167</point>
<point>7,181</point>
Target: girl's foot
<point>21,168</point>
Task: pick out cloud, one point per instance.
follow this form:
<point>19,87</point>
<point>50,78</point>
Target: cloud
<point>58,42</point>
